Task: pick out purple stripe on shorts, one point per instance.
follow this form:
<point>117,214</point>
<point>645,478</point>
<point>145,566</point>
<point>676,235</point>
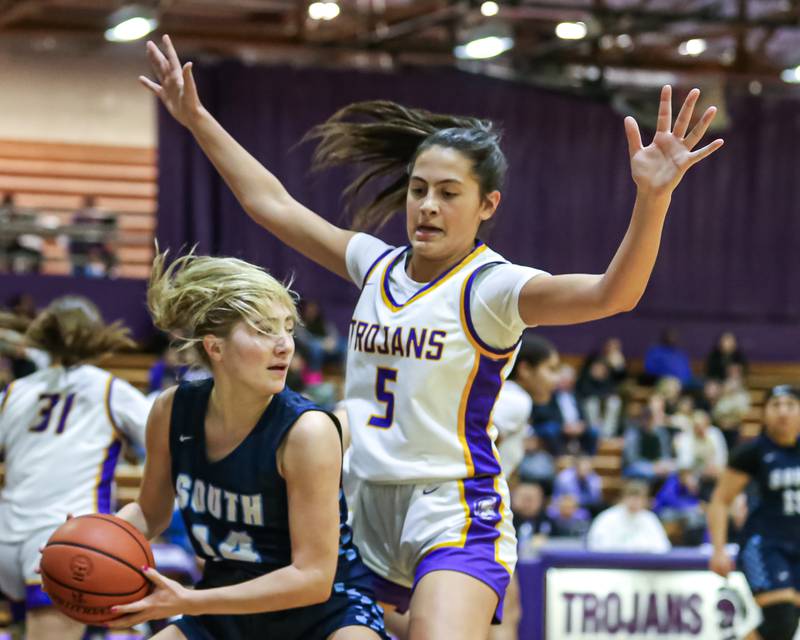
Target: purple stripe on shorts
<point>107,477</point>
<point>35,597</point>
<point>480,402</point>
<point>477,557</point>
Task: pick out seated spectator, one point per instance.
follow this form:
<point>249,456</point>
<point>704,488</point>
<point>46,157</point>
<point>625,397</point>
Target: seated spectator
<point>532,524</point>
<point>629,526</point>
<point>596,389</point>
<point>678,506</point>
<point>725,353</point>
<point>581,480</point>
<point>683,417</point>
<point>647,454</point>
<point>710,395</point>
<point>731,408</point>
<point>667,359</point>
<point>702,449</point>
<point>20,245</point>
<point>319,340</point>
<point>576,434</point>
<point>537,464</point>
<point>170,369</point>
<point>91,247</point>
<point>670,389</point>
<point>570,520</point>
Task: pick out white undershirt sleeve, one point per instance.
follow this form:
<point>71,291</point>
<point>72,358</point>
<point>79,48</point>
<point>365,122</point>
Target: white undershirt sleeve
<point>495,303</point>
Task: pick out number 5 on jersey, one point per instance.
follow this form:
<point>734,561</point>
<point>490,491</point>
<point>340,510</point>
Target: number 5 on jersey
<point>386,396</point>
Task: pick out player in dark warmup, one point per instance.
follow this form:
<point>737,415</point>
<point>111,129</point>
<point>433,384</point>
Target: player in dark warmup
<point>256,469</point>
<point>770,555</point>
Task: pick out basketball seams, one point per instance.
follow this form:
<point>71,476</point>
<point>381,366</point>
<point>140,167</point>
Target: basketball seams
<point>91,593</point>
<point>102,553</point>
<point>94,516</point>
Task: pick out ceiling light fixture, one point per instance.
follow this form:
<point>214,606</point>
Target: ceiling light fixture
<point>693,47</point>
<point>489,8</point>
<point>131,22</point>
<point>792,75</point>
<point>571,30</point>
<point>323,10</point>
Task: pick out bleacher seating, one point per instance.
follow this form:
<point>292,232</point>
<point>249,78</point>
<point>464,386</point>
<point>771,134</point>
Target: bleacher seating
<point>55,179</point>
<point>134,367</point>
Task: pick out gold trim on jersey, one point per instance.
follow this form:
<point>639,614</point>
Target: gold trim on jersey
<point>5,397</point>
<point>384,280</point>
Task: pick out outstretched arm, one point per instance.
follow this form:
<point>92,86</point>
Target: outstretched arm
<point>657,169</point>
<point>259,192</point>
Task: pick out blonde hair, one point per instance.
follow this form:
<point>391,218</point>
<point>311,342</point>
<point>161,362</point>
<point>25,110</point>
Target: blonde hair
<point>72,331</point>
<point>200,295</point>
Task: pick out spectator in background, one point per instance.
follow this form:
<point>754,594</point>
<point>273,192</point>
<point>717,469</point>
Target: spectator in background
<point>576,434</point>
<point>712,391</point>
<point>537,463</point>
<point>580,480</point>
<point>629,526</point>
<point>20,244</point>
<point>725,353</point>
<point>597,390</point>
<point>91,250</point>
<point>532,524</point>
<point>678,506</point>
<point>667,359</point>
<point>570,520</point>
<point>702,449</point>
<point>670,389</point>
<point>647,454</point>
<point>319,341</point>
<point>732,407</point>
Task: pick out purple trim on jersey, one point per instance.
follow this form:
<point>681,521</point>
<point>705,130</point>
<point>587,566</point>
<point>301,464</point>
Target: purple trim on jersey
<point>373,265</point>
<point>35,597</point>
<point>468,313</point>
<point>393,263</point>
<point>477,557</point>
<point>480,402</point>
<point>390,592</point>
<point>107,477</point>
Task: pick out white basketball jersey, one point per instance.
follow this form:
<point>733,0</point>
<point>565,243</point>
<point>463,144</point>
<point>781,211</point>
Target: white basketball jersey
<point>62,430</point>
<point>420,383</point>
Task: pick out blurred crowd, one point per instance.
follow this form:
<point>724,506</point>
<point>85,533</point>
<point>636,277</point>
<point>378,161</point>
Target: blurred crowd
<point>88,238</point>
<point>595,452</point>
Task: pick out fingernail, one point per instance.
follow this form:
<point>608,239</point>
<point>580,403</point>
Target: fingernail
<point>145,568</point>
<point>112,609</point>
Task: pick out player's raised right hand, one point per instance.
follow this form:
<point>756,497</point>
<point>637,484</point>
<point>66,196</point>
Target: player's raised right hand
<point>175,87</point>
<point>721,563</point>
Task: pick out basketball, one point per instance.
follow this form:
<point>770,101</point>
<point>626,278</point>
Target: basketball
<point>94,562</point>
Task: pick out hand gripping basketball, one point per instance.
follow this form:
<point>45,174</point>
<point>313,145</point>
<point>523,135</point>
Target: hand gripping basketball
<point>94,562</point>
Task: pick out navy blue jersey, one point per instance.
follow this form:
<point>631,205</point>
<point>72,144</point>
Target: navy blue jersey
<point>774,505</point>
<point>236,509</point>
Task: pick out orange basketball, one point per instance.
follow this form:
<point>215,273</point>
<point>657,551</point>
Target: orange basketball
<point>94,562</point>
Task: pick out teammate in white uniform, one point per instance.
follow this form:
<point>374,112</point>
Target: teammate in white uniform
<point>437,325</point>
<point>61,429</point>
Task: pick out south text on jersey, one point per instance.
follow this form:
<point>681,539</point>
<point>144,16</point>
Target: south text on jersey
<point>223,505</point>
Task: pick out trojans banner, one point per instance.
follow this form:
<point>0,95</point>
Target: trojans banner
<point>600,604</point>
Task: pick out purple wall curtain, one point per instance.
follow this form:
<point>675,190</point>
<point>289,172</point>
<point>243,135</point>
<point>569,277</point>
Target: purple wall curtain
<point>729,255</point>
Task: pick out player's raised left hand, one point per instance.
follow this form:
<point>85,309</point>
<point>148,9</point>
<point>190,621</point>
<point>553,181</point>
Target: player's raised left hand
<point>169,598</point>
<point>658,168</point>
